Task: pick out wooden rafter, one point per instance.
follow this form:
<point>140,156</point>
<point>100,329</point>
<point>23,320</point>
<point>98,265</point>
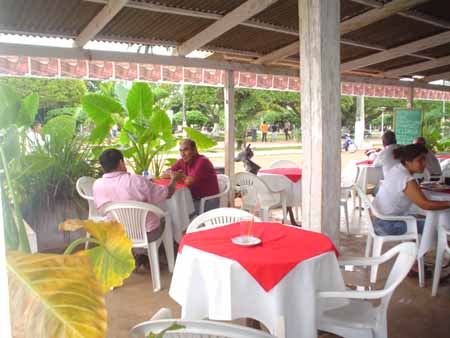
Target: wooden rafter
<point>440,76</point>
<point>392,53</point>
<point>99,21</point>
<point>418,67</point>
<point>230,20</point>
<point>347,26</point>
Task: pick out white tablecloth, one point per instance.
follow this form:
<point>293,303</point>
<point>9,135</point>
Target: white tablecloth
<point>279,182</point>
<point>210,286</point>
<point>180,206</point>
<point>434,219</point>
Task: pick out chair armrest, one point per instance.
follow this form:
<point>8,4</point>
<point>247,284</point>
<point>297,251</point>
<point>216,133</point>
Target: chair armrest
<point>351,294</point>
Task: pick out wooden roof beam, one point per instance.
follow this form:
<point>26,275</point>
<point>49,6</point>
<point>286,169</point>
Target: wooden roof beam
<point>418,67</point>
<point>434,77</point>
<point>347,26</point>
<point>392,53</point>
<point>411,14</point>
<point>99,21</point>
<point>238,15</point>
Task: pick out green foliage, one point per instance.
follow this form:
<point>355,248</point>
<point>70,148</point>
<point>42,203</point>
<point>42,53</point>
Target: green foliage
<point>202,141</point>
<point>193,117</point>
<point>53,93</point>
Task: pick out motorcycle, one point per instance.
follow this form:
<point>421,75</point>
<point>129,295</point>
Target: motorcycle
<point>348,144</point>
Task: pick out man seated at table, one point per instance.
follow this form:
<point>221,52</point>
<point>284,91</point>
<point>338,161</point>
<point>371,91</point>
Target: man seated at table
<point>117,185</point>
<point>432,165</point>
<point>198,174</point>
<point>386,158</point>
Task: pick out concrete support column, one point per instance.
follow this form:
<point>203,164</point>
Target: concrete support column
<point>359,122</point>
<point>321,115</point>
<point>229,131</point>
<point>410,103</point>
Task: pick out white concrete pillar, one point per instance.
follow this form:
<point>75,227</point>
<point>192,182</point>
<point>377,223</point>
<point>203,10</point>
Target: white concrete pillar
<point>321,114</point>
<point>410,103</point>
<point>229,131</point>
<point>359,121</point>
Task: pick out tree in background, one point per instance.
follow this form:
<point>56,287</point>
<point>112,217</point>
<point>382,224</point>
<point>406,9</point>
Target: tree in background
<point>193,117</point>
<point>53,93</point>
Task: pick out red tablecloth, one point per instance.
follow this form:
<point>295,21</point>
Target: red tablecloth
<point>282,248</point>
<point>163,181</point>
<point>365,162</point>
<point>443,157</point>
<point>294,174</point>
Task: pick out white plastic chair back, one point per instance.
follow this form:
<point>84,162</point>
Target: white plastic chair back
<point>197,328</point>
<point>254,191</point>
<point>84,188</point>
<point>445,167</point>
<point>133,214</point>
<point>284,164</point>
<point>218,217</point>
<point>407,254</point>
<point>224,188</point>
<point>344,321</point>
<point>367,205</point>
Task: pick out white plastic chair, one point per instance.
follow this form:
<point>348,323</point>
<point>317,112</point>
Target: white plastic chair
<point>194,328</point>
<point>284,164</point>
<point>359,318</point>
<point>133,214</point>
<point>84,188</point>
<point>378,241</point>
<point>224,188</point>
<point>442,248</point>
<point>367,179</point>
<point>218,217</point>
<point>346,193</point>
<point>255,193</point>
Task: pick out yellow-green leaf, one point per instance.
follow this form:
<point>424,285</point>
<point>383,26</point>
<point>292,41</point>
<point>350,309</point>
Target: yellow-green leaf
<point>55,296</point>
<point>71,225</point>
<point>112,259</point>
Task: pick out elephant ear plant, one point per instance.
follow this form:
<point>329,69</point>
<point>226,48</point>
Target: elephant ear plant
<point>146,133</point>
<point>53,295</point>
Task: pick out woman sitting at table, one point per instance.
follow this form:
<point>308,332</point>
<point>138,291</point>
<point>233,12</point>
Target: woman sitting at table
<point>400,190</point>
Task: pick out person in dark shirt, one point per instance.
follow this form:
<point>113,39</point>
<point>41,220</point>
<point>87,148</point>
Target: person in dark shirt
<point>198,174</point>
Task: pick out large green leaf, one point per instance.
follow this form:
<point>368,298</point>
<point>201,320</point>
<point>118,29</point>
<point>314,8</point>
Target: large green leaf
<point>11,144</point>
<point>28,110</point>
<point>160,123</point>
<point>121,92</point>
<point>9,106</point>
<point>202,141</point>
<point>55,296</point>
<point>99,108</point>
<point>61,130</point>
<point>111,258</point>
<point>140,100</point>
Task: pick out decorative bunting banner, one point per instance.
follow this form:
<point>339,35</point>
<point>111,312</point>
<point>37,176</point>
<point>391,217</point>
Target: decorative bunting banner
<point>107,70</point>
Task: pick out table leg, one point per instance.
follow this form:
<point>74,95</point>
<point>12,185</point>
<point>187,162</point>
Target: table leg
<point>291,217</point>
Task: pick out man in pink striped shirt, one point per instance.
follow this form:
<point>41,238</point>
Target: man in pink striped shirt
<point>117,185</point>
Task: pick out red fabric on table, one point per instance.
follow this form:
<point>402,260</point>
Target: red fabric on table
<point>365,162</point>
<point>294,174</point>
<point>443,157</point>
<point>163,181</point>
<point>282,248</point>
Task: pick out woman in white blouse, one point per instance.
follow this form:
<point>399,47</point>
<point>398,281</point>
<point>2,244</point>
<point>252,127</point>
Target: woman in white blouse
<point>400,189</point>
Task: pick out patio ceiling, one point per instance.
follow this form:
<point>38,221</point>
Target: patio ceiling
<point>382,39</point>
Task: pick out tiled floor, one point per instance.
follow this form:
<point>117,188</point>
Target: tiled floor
<point>412,312</point>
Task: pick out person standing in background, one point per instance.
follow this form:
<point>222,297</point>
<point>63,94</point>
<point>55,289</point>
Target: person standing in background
<point>264,127</point>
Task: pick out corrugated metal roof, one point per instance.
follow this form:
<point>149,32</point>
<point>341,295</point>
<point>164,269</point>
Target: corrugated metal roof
<point>152,25</point>
<point>67,18</point>
<point>393,31</point>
